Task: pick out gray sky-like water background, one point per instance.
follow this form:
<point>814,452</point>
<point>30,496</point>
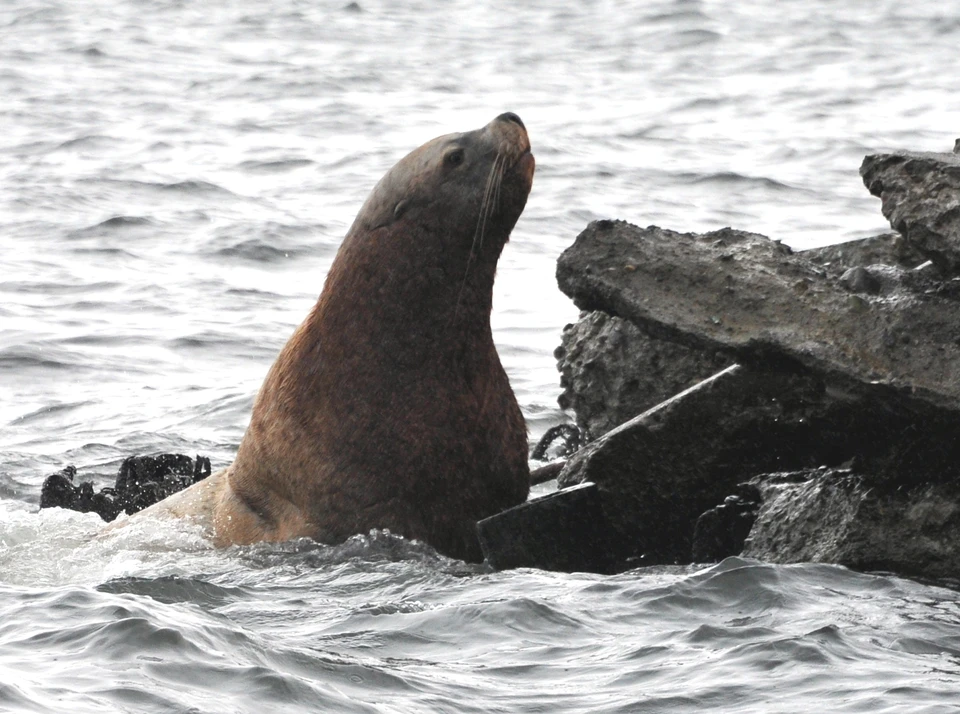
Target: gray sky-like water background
<point>176,178</point>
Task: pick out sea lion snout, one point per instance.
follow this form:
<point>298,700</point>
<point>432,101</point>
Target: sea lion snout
<point>510,116</point>
<point>509,134</point>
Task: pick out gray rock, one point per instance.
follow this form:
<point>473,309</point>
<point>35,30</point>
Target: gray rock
<point>659,471</point>
<point>836,516</point>
<point>886,249</point>
<point>612,370</point>
<point>565,531</point>
<point>848,357</point>
<point>734,293</point>
<point>721,531</point>
<point>920,195</point>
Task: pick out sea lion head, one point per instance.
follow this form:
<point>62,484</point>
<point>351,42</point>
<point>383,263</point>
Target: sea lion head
<point>480,178</point>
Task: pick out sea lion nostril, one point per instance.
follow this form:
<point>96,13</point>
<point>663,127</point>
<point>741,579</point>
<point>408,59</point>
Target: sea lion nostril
<point>510,116</point>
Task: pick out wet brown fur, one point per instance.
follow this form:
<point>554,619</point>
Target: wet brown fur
<point>388,407</point>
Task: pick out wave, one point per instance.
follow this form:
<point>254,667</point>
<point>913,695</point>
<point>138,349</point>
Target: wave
<point>732,178</point>
<point>192,187</point>
<point>113,225</point>
<point>278,166</point>
<point>25,357</point>
<point>195,187</point>
<point>177,589</point>
<point>216,341</point>
<point>256,250</point>
<point>271,242</point>
<point>48,411</point>
<point>89,142</point>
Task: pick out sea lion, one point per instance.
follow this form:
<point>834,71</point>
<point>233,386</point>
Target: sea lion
<point>388,407</point>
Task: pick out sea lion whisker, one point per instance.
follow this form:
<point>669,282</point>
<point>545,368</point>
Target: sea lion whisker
<point>504,151</point>
<point>500,174</point>
<point>479,229</point>
<point>493,200</point>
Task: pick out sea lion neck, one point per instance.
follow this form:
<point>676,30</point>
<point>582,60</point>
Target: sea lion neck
<point>420,310</point>
<point>416,270</point>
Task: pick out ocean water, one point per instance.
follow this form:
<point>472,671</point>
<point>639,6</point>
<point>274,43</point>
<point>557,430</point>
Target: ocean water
<point>176,178</point>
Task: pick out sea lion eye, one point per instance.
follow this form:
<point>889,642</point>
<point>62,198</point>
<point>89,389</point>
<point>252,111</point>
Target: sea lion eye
<point>454,158</point>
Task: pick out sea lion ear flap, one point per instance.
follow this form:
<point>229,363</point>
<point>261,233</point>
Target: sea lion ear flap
<point>400,209</point>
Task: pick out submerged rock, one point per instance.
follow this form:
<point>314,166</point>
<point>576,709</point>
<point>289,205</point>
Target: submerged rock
<point>721,532</point>
<point>838,516</point>
<point>141,482</point>
<point>59,491</point>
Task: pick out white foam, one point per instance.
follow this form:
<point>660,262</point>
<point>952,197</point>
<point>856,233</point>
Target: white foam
<point>55,547</point>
